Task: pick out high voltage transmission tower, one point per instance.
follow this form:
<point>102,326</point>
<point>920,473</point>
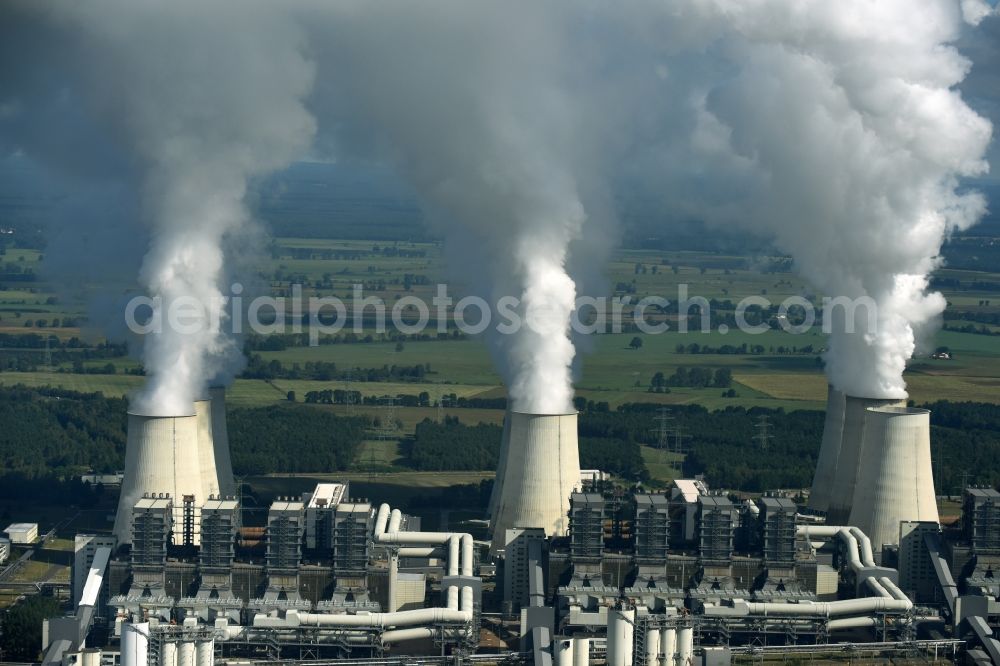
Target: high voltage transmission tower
<point>763,436</point>
<point>663,421</point>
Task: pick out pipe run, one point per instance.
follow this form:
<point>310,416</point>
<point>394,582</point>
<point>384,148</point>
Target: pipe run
<point>388,521</point>
<point>888,597</point>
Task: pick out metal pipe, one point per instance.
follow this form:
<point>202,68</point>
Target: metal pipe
<point>685,646</point>
<point>467,554</point>
<point>581,652</point>
<point>377,620</point>
<point>382,519</point>
<point>453,555</point>
<point>652,647</point>
<point>395,520</point>
<point>562,648</point>
<point>422,552</point>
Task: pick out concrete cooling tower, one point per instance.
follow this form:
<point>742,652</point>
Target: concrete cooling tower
<point>206,451</point>
<point>501,465</point>
<point>851,442</point>
<point>539,469</point>
<point>895,481</point>
<point>829,451</point>
<point>220,442</point>
<point>161,456</point>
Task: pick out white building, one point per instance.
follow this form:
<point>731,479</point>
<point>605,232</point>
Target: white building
<point>22,532</point>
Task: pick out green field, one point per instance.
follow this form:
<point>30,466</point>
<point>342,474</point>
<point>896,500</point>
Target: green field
<point>607,368</point>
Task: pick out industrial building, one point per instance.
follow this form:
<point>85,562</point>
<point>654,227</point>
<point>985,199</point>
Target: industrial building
<point>588,569</point>
<point>22,533</point>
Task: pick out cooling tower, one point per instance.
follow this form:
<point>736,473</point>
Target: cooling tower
<point>161,456</point>
<point>895,481</point>
<point>539,473</point>
<point>220,442</point>
<point>206,451</point>
<point>501,465</point>
<point>829,451</point>
<point>851,442</point>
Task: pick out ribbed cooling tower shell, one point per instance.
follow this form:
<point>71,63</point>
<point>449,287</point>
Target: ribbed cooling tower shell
<point>851,443</point>
<point>542,470</point>
<point>161,456</point>
<point>206,451</point>
<point>220,442</point>
<point>501,466</point>
<point>895,480</point>
<point>829,451</point>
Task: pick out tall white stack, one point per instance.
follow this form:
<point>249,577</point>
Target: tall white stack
<point>895,481</point>
<point>540,471</point>
<point>848,461</point>
<point>161,456</point>
<point>829,451</point>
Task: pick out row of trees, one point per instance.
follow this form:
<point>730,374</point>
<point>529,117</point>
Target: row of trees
<point>693,377</point>
<point>452,445</point>
<point>259,368</point>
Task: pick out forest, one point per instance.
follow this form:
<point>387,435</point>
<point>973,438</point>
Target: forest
<point>50,435</point>
<point>453,445</point>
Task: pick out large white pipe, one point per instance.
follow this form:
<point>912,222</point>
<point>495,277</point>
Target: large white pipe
<point>562,649</point>
<point>850,623</point>
<point>620,633</point>
<point>581,652</point>
<point>453,544</point>
<point>417,633</point>
<point>205,653</point>
<point>395,520</point>
<point>460,544</point>
<point>652,647</point>
<point>668,646</point>
<point>422,552</point>
<point>467,554</point>
<point>685,646</point>
<point>377,620</point>
<point>185,653</point>
<point>382,519</point>
<point>168,654</point>
<point>135,644</point>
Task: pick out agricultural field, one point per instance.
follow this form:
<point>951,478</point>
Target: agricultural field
<point>785,372</point>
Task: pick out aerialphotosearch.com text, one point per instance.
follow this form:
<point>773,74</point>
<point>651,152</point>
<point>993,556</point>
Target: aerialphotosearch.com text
<point>474,315</point>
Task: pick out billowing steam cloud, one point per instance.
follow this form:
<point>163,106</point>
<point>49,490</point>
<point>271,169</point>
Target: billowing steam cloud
<point>203,97</point>
<point>834,128</point>
<point>472,102</point>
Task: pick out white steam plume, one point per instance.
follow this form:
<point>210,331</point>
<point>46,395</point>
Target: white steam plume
<point>205,96</point>
<point>836,129</point>
<point>472,102</point>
